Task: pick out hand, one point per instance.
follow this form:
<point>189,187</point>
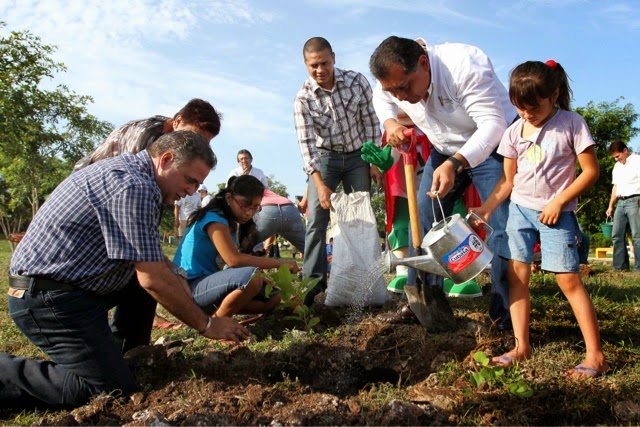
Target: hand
<point>324,196</point>
<point>293,266</point>
<point>551,213</point>
<point>443,179</point>
<point>380,157</point>
<point>302,206</point>
<point>610,212</point>
<point>377,176</point>
<point>225,328</point>
<point>482,212</point>
<point>395,134</point>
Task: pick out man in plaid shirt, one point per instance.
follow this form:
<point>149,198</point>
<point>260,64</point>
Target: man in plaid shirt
<point>92,246</point>
<point>333,116</point>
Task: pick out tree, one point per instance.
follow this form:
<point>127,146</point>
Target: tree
<point>277,187</point>
<point>43,132</point>
<point>607,121</point>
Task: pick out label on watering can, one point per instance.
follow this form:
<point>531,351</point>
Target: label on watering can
<point>464,254</point>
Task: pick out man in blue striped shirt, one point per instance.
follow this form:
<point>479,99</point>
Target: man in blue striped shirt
<point>94,245</point>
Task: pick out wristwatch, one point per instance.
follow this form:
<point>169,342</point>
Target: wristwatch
<point>179,271</point>
<point>457,164</point>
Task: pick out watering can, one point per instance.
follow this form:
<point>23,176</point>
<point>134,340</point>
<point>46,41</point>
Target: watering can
<point>455,248</point>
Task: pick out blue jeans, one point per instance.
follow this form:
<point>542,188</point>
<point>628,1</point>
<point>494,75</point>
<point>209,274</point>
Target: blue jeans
<point>484,177</point>
<point>209,291</point>
<point>627,212</point>
<point>72,328</point>
<point>284,220</point>
<point>353,172</point>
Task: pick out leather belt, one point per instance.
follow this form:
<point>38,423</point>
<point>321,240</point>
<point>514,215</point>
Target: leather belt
<point>628,197</point>
<point>277,204</point>
<point>37,284</point>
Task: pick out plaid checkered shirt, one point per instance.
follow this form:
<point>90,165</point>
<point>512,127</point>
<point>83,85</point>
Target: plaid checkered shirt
<point>341,119</point>
<point>95,225</point>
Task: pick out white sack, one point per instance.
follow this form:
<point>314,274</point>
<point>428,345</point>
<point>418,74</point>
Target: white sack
<point>357,268</point>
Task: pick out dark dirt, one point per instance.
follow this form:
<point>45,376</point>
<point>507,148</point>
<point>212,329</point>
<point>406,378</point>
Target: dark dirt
<point>365,373</point>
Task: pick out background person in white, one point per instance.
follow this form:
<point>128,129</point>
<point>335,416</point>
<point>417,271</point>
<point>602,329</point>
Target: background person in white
<point>453,95</point>
<point>204,193</point>
<point>626,192</point>
<point>244,160</point>
<point>183,208</point>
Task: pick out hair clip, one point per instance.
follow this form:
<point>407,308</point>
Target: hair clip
<point>551,63</point>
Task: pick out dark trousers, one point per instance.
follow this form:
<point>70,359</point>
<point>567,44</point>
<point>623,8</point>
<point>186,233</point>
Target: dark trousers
<point>72,328</point>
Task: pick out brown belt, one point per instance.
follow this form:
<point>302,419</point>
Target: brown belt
<point>38,284</point>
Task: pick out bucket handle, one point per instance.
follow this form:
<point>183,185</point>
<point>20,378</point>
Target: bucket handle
<point>481,228</point>
<point>433,209</point>
<point>607,220</point>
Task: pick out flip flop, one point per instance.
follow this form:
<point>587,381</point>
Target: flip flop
<point>503,361</point>
<point>584,372</point>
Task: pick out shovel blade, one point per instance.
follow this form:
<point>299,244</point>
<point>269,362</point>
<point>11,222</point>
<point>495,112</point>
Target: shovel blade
<point>431,307</point>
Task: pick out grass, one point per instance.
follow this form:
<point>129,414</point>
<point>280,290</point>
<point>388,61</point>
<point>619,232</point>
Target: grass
<point>556,347</point>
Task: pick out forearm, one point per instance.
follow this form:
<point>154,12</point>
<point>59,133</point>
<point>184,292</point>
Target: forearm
<point>500,193</point>
<point>169,290</point>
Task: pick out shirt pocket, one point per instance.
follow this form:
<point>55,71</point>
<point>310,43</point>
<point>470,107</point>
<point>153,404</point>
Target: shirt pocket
<point>352,106</point>
<point>322,120</point>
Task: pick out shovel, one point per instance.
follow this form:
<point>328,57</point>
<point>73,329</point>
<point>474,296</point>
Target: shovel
<point>428,303</point>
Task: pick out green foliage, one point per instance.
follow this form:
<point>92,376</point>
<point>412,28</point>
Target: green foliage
<point>493,376</point>
<point>293,292</point>
<point>277,187</point>
<point>607,122</point>
<point>379,209</point>
<point>599,241</point>
<point>43,132</point>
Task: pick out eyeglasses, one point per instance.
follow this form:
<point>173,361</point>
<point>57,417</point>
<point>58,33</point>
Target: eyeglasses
<point>246,208</point>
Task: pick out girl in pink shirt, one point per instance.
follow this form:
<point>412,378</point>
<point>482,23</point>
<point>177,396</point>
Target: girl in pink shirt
<point>540,153</point>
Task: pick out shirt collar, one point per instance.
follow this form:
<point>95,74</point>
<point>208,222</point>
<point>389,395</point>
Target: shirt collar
<point>337,75</point>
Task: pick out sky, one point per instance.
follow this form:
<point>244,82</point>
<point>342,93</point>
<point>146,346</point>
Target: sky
<point>139,58</point>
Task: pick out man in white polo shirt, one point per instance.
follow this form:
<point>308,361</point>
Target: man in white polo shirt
<point>626,192</point>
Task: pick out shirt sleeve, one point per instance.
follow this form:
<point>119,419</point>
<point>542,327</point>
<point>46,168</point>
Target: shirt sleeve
<point>368,113</point>
<point>306,135</point>
<point>383,104</point>
<point>481,99</point>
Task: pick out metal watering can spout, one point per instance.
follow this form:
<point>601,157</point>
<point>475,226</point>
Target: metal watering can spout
<point>423,262</point>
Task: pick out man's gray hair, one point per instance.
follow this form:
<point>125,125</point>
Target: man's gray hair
<point>186,147</point>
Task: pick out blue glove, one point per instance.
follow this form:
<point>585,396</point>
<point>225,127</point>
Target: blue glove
<point>380,157</point>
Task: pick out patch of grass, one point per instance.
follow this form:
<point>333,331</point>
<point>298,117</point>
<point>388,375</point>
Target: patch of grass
<point>557,345</point>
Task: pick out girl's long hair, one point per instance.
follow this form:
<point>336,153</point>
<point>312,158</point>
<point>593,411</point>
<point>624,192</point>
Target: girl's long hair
<point>246,186</point>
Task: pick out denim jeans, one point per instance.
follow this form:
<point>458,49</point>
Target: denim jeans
<point>484,176</point>
<point>353,172</point>
<point>284,220</point>
<point>627,212</point>
<point>72,328</point>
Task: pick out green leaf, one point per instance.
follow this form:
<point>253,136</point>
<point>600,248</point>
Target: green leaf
<point>313,322</point>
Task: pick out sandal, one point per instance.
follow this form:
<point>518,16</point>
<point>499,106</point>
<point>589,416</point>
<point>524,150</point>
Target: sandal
<point>403,315</point>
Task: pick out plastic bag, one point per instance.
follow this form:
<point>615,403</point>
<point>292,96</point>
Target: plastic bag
<point>357,270</point>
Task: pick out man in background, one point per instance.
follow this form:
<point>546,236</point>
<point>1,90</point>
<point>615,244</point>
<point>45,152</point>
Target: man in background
<point>625,196</point>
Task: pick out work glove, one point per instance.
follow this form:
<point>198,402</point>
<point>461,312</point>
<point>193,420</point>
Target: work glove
<point>380,157</point>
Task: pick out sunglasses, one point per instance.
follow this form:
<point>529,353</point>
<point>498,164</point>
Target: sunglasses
<point>247,208</point>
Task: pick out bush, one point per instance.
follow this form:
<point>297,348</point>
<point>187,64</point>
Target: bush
<point>598,240</point>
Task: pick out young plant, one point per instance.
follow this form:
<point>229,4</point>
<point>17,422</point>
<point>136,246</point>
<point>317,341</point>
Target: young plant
<point>492,376</point>
<point>293,292</point>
